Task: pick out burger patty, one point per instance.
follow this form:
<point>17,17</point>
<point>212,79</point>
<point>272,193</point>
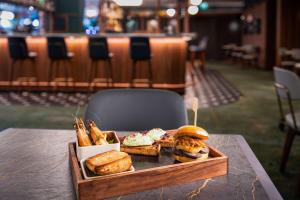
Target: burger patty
<point>180,152</point>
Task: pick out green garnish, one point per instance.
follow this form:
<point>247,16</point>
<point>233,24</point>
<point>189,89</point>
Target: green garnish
<point>111,141</point>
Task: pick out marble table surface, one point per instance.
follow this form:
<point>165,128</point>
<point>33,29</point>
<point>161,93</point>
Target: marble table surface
<point>34,164</point>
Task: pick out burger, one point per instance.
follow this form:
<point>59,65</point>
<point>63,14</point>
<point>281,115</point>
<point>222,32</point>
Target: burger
<point>189,145</point>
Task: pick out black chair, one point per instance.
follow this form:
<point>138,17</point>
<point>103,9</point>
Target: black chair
<point>57,53</point>
<point>18,52</point>
<point>99,51</point>
<point>287,85</point>
<point>136,109</point>
<point>140,51</point>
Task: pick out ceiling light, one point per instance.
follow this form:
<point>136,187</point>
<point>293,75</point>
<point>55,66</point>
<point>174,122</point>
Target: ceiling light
<point>193,10</point>
<point>196,2</point>
<point>7,15</point>
<point>5,23</point>
<point>129,2</point>
<point>171,12</point>
<point>204,6</point>
<point>91,13</point>
<point>35,23</point>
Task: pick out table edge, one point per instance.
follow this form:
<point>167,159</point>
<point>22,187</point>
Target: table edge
<point>264,178</point>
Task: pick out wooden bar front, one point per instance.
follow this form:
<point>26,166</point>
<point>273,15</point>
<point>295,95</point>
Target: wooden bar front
<point>168,62</point>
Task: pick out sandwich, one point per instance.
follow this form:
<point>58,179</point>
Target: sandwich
<point>167,140</point>
<point>141,144</point>
<point>189,145</point>
<point>110,162</point>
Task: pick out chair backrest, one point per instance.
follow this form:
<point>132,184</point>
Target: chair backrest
<point>57,48</point>
<point>250,49</point>
<point>98,48</point>
<point>140,48</point>
<point>282,51</point>
<point>289,80</point>
<point>203,43</point>
<point>136,109</point>
<point>296,54</point>
<point>17,48</point>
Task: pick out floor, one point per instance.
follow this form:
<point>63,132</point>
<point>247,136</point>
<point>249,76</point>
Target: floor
<point>211,88</point>
<point>254,115</point>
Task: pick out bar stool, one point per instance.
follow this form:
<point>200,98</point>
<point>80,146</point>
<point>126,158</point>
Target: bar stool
<point>200,50</point>
<point>99,51</point>
<point>57,52</point>
<point>140,51</point>
<point>18,52</point>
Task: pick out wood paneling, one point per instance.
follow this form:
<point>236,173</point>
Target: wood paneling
<point>168,60</point>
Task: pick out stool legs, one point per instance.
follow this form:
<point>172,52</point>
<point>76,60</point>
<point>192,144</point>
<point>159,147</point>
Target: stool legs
<point>111,72</point>
<point>202,59</point>
<point>108,72</point>
<point>150,73</point>
<point>50,73</point>
<point>12,72</point>
<point>133,72</point>
<point>192,58</point>
<point>91,73</point>
<point>69,74</point>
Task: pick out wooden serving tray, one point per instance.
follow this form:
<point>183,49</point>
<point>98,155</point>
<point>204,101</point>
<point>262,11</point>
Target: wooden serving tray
<point>150,172</point>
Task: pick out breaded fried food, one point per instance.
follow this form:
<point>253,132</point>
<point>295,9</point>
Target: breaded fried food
<point>110,162</point>
<point>97,135</point>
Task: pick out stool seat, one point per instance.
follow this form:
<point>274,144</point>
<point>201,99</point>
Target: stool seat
<point>32,54</point>
<point>70,54</point>
<point>195,48</point>
<point>19,53</point>
<point>297,65</point>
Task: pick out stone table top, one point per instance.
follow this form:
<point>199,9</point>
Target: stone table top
<point>34,164</point>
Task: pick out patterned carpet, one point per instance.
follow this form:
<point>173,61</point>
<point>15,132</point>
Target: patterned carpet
<point>212,89</point>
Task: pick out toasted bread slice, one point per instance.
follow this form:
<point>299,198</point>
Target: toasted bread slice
<point>117,166</point>
<point>103,159</point>
<point>149,150</point>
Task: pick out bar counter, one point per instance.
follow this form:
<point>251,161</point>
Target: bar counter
<point>168,61</point>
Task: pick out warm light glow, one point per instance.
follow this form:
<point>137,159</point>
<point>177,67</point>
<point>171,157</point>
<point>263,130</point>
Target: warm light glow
<point>35,23</point>
<point>91,13</point>
<point>171,12</point>
<point>129,2</point>
<point>5,23</point>
<point>193,10</point>
<point>7,15</point>
<point>196,2</point>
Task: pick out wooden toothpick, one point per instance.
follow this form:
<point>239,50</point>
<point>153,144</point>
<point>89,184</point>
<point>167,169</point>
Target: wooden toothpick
<point>195,109</point>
